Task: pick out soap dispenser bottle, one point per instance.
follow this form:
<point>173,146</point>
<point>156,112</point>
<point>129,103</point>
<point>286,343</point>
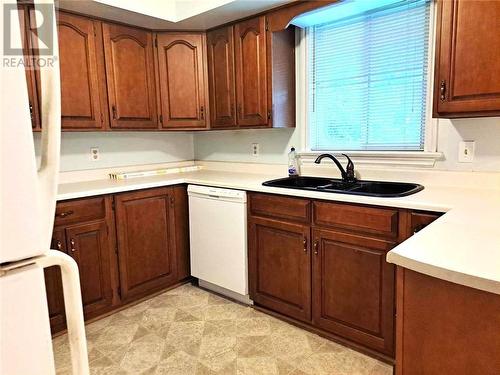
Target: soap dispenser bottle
<point>293,165</point>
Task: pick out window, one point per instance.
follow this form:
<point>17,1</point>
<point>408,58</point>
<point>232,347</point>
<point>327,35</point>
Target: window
<point>367,78</point>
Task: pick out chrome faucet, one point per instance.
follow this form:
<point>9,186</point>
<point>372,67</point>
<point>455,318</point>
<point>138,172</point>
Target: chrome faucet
<point>348,174</point>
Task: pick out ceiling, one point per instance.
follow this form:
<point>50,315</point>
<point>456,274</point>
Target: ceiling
<point>171,14</point>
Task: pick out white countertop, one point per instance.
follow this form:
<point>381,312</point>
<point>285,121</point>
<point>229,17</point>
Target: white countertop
<point>462,246</point>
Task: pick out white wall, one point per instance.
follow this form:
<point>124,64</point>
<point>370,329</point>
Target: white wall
<point>486,134</point>
<point>231,145</point>
<point>122,149</point>
<point>275,144</point>
<point>137,148</point>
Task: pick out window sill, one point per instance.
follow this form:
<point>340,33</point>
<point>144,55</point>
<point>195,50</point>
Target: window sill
<point>407,159</point>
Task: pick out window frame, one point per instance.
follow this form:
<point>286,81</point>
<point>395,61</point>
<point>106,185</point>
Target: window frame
<point>424,158</point>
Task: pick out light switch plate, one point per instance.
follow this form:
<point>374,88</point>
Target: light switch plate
<point>466,151</point>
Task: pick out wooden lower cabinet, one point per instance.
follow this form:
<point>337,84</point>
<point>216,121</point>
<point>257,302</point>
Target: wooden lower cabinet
<point>53,286</point>
<point>145,232</point>
<point>280,266</point>
<point>151,253</point>
<point>419,220</point>
<point>88,244</point>
<point>353,288</point>
<point>322,265</point>
<point>445,328</point>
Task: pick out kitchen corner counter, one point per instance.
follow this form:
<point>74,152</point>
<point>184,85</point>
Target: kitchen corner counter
<point>462,246</point>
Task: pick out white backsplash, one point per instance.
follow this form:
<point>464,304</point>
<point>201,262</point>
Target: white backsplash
<point>235,146</point>
<point>122,149</point>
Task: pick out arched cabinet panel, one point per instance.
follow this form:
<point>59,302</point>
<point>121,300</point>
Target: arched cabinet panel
<point>182,79</point>
<point>251,68</point>
<point>220,46</point>
<point>82,76</point>
<point>130,77</point>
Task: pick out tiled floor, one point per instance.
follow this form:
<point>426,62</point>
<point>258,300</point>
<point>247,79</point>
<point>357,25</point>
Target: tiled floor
<point>190,331</point>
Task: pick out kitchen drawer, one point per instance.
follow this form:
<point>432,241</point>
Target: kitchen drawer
<point>419,220</point>
<point>281,207</point>
<point>80,210</point>
<point>371,220</point>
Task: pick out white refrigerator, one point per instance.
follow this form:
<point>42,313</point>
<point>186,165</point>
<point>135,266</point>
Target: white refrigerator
<point>28,198</point>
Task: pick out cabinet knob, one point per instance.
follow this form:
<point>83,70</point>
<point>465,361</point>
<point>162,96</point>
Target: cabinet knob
<point>65,214</point>
<point>316,247</point>
<point>418,228</point>
<point>113,109</point>
<point>72,242</point>
<point>305,245</point>
<point>202,112</point>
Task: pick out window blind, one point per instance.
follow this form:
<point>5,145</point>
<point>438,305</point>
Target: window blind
<point>367,79</point>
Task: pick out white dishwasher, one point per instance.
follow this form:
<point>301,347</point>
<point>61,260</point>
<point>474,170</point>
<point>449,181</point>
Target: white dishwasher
<point>218,237</point>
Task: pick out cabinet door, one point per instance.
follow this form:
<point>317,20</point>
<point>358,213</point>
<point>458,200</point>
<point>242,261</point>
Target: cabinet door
<point>353,288</point>
<point>280,267</point>
<point>53,286</point>
<point>182,80</point>
<point>30,72</point>
<point>83,91</point>
<point>88,245</point>
<point>251,72</point>
<point>468,59</point>
<point>145,241</point>
<point>220,45</point>
<point>130,77</point>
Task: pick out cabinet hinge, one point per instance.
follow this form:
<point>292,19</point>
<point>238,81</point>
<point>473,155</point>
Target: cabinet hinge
<point>113,205</point>
<point>161,119</point>
<point>172,201</point>
<point>267,24</point>
<point>156,42</point>
<point>269,115</point>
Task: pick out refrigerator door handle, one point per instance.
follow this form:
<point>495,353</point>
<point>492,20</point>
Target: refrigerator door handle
<point>73,306</point>
<point>72,302</point>
<point>51,127</point>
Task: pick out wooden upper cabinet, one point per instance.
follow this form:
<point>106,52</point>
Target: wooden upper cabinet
<point>181,64</point>
<point>83,91</point>
<point>467,77</point>
<point>220,46</point>
<point>144,225</point>
<point>251,72</point>
<point>130,77</point>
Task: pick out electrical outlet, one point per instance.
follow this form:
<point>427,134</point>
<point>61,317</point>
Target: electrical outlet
<point>466,151</point>
<point>255,149</point>
<point>94,153</point>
